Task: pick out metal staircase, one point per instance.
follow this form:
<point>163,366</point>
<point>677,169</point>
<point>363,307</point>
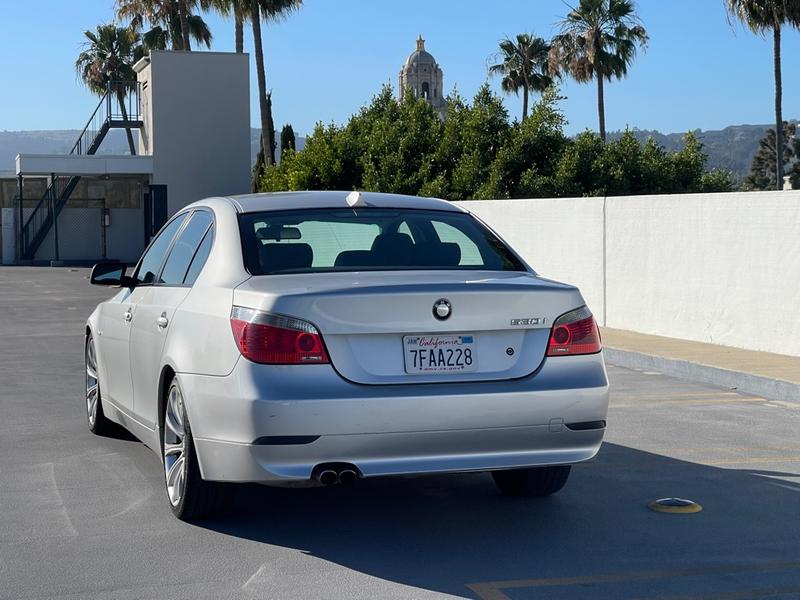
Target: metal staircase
<point>117,109</point>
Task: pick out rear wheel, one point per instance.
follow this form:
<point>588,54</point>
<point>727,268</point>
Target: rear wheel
<point>539,481</point>
<point>190,497</point>
<point>97,421</point>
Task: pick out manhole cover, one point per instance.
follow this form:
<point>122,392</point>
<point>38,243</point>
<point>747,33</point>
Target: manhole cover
<point>674,505</point>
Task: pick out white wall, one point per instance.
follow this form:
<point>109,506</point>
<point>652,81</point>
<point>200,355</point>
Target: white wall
<point>719,268</point>
<point>560,238</point>
<point>196,113</point>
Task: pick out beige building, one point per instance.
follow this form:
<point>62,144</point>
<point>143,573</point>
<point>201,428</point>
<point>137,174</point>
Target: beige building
<point>422,77</point>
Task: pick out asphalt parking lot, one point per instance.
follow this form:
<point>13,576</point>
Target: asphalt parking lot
<point>85,517</point>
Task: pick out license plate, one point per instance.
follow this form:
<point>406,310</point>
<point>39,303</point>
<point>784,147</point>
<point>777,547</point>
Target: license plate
<point>440,353</point>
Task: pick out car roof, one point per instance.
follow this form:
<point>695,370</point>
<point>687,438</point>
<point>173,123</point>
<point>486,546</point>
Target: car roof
<point>332,199</point>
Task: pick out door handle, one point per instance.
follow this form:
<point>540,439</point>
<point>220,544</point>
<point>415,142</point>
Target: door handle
<point>162,321</point>
<point>128,316</point>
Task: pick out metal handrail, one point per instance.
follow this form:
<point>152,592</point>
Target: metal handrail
<point>108,115</point>
<point>77,145</point>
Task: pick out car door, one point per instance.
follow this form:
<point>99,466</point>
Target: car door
<point>155,310</point>
<point>116,318</point>
<point>113,335</point>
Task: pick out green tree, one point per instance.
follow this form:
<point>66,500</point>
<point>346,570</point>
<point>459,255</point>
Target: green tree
<point>449,151</point>
<point>105,65</point>
<point>598,41</point>
<point>763,16</point>
<point>577,172</point>
<point>398,144</point>
<point>524,165</point>
<point>404,147</point>
<point>288,141</point>
<point>523,66</point>
<point>763,171</point>
<point>589,167</point>
<point>485,131</point>
<point>329,161</point>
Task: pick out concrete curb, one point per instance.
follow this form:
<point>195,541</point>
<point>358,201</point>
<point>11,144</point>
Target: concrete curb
<point>773,389</point>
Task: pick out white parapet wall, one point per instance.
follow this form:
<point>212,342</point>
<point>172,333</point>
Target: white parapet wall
<point>560,238</point>
<point>718,268</point>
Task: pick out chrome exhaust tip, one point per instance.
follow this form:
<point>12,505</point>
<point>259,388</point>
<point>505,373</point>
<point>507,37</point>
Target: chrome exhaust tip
<point>328,477</point>
<point>347,476</point>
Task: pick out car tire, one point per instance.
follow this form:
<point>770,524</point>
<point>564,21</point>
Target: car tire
<point>95,419</point>
<point>190,496</point>
<point>535,482</point>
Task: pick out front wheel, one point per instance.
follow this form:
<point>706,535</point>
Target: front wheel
<point>190,496</point>
<point>538,481</point>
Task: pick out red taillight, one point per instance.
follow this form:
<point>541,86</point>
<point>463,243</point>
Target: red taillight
<point>574,333</point>
<point>276,340</point>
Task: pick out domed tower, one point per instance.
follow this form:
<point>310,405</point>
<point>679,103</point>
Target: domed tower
<point>422,77</point>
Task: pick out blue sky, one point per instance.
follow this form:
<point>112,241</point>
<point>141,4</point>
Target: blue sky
<point>324,62</point>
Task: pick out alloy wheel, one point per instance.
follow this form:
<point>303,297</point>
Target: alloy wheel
<point>175,445</point>
<point>92,389</point>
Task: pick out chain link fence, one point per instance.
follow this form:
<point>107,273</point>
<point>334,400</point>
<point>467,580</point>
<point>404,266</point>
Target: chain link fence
<point>78,234</point>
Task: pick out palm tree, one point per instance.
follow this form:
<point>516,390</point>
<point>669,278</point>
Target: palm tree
<point>762,16</point>
<point>270,11</point>
<point>172,22</point>
<point>106,64</point>
<point>523,66</point>
<point>239,10</point>
<point>239,33</point>
<point>598,41</point>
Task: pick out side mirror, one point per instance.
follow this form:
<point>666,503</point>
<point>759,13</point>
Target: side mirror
<point>110,273</point>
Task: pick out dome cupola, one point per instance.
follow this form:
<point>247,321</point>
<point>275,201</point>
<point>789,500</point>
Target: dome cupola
<point>422,77</point>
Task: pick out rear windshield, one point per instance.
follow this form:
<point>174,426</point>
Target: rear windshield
<point>369,239</point>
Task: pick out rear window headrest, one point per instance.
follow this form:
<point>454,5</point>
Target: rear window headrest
<point>392,243</point>
<point>438,254</point>
<point>355,258</point>
<point>285,257</point>
<point>451,254</point>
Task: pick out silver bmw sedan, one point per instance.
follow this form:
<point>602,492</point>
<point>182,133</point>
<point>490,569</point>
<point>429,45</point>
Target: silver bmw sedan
<point>322,337</point>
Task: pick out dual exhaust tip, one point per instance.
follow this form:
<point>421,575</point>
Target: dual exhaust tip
<point>332,475</point>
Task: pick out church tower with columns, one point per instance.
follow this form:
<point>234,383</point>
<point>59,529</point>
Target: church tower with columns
<point>422,77</point>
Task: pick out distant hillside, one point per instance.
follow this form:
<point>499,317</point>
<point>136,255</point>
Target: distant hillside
<point>60,141</point>
<point>731,148</point>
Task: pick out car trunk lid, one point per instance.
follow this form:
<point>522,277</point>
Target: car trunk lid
<point>371,322</point>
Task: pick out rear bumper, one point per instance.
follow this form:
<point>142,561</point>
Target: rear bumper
<point>306,415</point>
<point>401,453</point>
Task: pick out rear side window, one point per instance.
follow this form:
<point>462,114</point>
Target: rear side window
<point>369,239</point>
<point>154,256</point>
<point>184,249</point>
<point>200,258</point>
